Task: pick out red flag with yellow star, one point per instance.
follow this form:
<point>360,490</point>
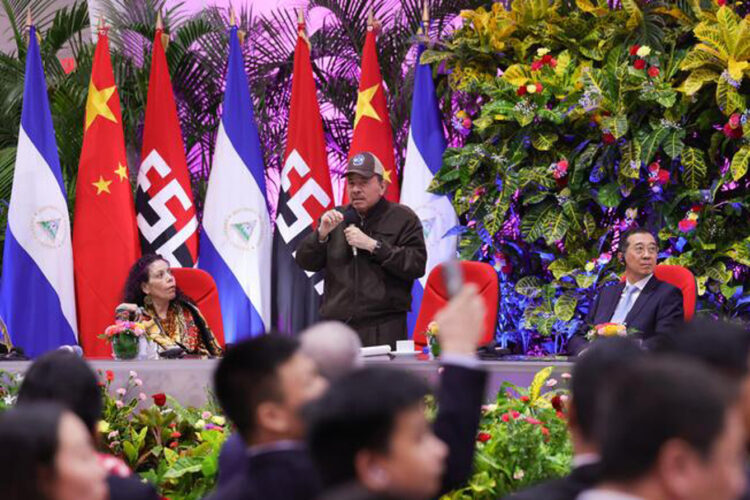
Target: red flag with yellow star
<point>105,234</point>
<point>372,124</point>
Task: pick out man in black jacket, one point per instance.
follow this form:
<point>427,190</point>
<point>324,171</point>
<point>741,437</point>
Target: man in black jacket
<point>372,251</point>
<point>641,302</point>
<point>599,364</point>
<point>369,435</point>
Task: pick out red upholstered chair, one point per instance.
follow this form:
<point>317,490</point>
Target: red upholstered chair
<point>201,287</point>
<point>682,278</point>
<point>435,297</point>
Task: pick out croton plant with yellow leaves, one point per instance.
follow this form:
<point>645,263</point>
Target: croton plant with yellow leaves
<point>581,121</point>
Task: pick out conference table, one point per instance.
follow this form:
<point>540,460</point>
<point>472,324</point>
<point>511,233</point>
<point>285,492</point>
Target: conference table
<point>189,381</point>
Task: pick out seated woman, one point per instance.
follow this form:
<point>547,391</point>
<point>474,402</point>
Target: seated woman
<point>170,318</point>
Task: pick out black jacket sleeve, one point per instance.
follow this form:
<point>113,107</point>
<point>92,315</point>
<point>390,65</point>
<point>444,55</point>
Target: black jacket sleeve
<point>670,312</point>
<point>460,398</point>
<point>406,259</point>
<point>311,253</point>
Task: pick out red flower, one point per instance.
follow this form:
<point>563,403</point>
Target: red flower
<point>553,63</point>
<point>536,65</point>
<point>110,375</point>
<point>608,138</point>
<point>696,208</point>
<point>539,87</point>
<point>560,415</point>
<point>483,437</point>
<point>557,402</point>
<point>174,444</point>
<point>505,417</point>
<point>175,435</point>
<point>521,90</point>
<point>466,123</point>
<point>545,431</point>
<point>525,399</point>
<point>721,3</point>
<point>546,58</point>
<point>634,49</point>
<point>639,64</point>
<point>653,71</point>
<point>159,399</point>
<point>687,225</point>
<point>533,421</point>
<point>735,120</point>
<point>563,164</point>
<point>515,414</point>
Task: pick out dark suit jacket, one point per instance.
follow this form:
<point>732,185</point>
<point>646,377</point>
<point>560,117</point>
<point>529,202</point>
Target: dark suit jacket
<point>566,488</point>
<point>273,475</point>
<point>232,459</point>
<point>459,398</point>
<point>657,310</point>
<point>130,488</point>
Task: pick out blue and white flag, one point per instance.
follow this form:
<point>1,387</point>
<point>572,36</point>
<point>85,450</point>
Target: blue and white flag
<point>235,244</point>
<point>424,154</point>
<point>37,295</point>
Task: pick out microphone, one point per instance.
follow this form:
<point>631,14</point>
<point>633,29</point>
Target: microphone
<point>351,219</point>
<point>75,349</point>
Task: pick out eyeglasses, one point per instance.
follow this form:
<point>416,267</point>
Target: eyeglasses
<point>639,250</point>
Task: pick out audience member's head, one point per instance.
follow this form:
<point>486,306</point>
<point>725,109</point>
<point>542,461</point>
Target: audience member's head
<point>593,370</point>
<point>638,249</point>
<point>668,428</point>
<point>370,427</point>
<point>334,346</point>
<point>64,378</point>
<point>263,383</point>
<point>46,453</point>
<point>721,345</point>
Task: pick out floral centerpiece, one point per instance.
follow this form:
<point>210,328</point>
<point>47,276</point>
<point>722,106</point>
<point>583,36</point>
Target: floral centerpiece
<point>124,337</point>
<point>432,338</point>
<point>609,330</point>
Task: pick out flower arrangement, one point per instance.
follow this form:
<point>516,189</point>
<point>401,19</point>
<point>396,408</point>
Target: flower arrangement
<point>607,330</point>
<point>124,337</point>
<point>432,338</point>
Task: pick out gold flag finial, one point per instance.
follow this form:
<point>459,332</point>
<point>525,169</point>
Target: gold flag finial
<point>29,22</point>
<point>300,17</point>
<point>426,12</point>
<point>159,22</point>
<point>232,17</point>
<point>370,18</point>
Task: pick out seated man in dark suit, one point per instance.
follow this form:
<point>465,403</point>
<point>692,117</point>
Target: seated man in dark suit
<point>608,356</point>
<point>642,302</point>
<point>369,435</point>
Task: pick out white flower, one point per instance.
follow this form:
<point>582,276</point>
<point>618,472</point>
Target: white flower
<point>133,374</point>
<point>566,375</point>
<point>200,424</point>
<point>119,404</point>
<point>142,397</point>
<point>19,377</point>
<point>643,51</point>
<point>121,391</point>
<point>206,415</point>
<point>551,382</point>
<point>531,88</point>
<point>518,475</point>
<point>138,382</point>
<point>219,420</point>
<point>542,51</point>
<point>9,400</point>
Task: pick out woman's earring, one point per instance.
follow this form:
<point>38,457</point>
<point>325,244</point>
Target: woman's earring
<point>148,301</point>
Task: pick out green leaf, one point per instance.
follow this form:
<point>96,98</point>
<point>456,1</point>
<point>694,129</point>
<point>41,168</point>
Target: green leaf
<point>565,307</point>
<point>695,169</point>
<point>555,226</point>
<point>433,56</point>
<point>718,272</point>
<point>652,143</point>
<point>630,166</point>
<point>673,144</point>
<point>589,223</point>
<point>585,280</point>
<point>543,141</point>
<point>697,78</point>
<point>130,451</point>
<point>739,162</point>
<point>184,465</point>
<point>727,98</point>
<point>529,286</point>
<point>609,195</point>
<point>617,125</point>
<point>560,268</point>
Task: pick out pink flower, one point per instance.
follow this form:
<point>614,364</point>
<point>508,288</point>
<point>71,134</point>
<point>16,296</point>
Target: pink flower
<point>536,65</point>
<point>133,374</point>
<point>721,3</point>
<point>545,431</point>
<point>113,434</point>
<point>533,421</point>
<point>119,404</point>
<point>639,64</point>
<point>687,225</point>
<point>121,391</point>
<point>505,417</point>
<point>138,382</point>
<point>175,435</point>
<point>467,122</point>
<point>514,414</point>
<point>142,397</point>
<point>206,415</point>
<point>735,120</point>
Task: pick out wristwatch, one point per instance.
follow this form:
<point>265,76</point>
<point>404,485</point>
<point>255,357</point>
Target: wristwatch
<point>378,245</point>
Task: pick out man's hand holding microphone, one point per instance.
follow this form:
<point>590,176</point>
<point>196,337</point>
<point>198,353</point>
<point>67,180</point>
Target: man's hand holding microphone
<point>354,235</point>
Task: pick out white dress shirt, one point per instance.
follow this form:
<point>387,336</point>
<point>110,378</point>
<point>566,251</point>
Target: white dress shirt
<point>639,285</point>
<point>601,494</point>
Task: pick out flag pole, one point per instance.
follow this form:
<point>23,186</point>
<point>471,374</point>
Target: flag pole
<point>160,27</point>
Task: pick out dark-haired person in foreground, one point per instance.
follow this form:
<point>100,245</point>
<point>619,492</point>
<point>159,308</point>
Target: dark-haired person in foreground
<point>64,378</point>
<point>262,384</point>
<point>642,302</point>
<point>369,435</point>
<point>336,350</point>
<point>606,356</point>
<point>669,429</point>
<point>725,348</point>
<point>46,453</point>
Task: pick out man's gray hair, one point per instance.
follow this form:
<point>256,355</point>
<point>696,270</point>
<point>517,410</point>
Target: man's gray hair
<point>334,347</point>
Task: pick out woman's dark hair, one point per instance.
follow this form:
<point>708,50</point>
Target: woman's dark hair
<point>28,445</point>
<point>138,275</point>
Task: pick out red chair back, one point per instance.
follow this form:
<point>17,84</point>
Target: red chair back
<point>435,297</point>
<point>201,287</point>
<point>682,278</point>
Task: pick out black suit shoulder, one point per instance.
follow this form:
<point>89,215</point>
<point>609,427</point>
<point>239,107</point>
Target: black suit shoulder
<point>130,488</point>
<point>564,488</point>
